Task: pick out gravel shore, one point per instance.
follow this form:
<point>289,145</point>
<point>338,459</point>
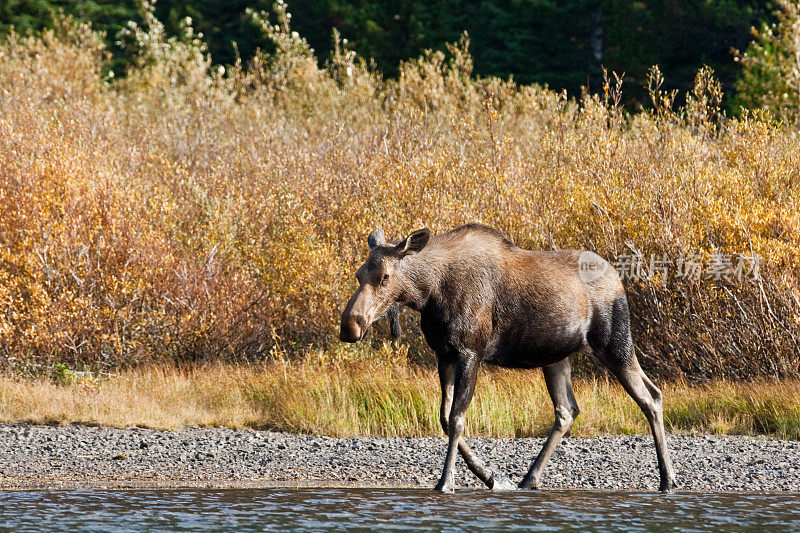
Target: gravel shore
<point>72,457</point>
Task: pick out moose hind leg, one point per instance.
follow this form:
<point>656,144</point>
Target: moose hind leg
<point>618,357</point>
<point>558,378</point>
<point>649,398</point>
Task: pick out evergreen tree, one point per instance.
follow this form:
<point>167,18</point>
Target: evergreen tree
<point>559,43</point>
<point>770,78</point>
<point>33,15</point>
<point>680,37</point>
<point>222,23</point>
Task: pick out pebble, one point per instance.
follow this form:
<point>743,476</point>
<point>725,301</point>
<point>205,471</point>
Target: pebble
<point>49,456</point>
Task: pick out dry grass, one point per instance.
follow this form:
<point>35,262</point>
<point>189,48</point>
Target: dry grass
<point>384,400</point>
<point>180,214</point>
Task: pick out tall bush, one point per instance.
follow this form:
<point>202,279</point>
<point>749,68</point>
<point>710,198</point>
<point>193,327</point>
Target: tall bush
<point>188,214</point>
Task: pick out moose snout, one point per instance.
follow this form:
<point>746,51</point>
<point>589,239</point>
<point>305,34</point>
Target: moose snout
<point>353,327</point>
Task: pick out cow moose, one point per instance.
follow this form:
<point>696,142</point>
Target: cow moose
<point>483,299</point>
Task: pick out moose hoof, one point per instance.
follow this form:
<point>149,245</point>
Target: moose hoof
<point>528,484</point>
<point>444,488</point>
<point>500,483</point>
<point>667,485</point>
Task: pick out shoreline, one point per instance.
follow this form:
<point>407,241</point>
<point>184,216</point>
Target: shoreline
<point>66,484</point>
<point>73,457</point>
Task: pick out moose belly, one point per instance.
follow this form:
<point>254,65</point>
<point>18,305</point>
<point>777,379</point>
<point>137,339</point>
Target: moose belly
<point>533,347</point>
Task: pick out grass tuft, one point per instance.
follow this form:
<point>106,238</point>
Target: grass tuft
<point>383,400</point>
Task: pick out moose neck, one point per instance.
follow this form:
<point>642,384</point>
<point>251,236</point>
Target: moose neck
<point>422,279</point>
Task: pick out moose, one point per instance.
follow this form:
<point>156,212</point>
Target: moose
<point>483,299</point>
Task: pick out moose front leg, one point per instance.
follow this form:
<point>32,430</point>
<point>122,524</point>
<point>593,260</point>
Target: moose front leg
<point>465,373</point>
<point>492,479</point>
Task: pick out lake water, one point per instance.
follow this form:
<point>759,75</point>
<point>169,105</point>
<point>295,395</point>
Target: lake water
<point>393,510</point>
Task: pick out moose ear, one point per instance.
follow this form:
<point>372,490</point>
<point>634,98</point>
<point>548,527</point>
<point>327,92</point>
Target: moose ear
<point>376,238</point>
<point>414,242</point>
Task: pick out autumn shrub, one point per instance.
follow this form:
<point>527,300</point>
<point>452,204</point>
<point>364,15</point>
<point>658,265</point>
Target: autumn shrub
<point>185,212</point>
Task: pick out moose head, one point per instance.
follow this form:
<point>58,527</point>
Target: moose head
<point>383,284</point>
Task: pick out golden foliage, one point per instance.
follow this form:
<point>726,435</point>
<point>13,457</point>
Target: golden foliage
<point>180,213</point>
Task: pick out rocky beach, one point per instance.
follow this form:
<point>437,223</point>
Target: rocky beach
<point>76,457</point>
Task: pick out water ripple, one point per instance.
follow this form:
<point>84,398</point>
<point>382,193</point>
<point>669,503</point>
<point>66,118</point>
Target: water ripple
<point>393,510</point>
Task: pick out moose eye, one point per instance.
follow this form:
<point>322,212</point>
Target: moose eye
<point>385,279</point>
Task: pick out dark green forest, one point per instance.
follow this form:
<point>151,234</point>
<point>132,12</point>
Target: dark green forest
<point>562,44</point>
